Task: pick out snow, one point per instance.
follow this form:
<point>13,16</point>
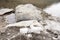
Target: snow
<point>4,10</point>
<point>53,9</point>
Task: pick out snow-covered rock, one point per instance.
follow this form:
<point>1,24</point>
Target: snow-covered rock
<point>52,25</point>
<point>53,9</point>
<point>23,23</point>
<point>5,10</point>
<point>27,12</point>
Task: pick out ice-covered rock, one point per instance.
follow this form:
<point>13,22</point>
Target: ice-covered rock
<point>53,9</point>
<point>27,12</point>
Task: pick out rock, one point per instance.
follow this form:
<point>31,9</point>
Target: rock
<point>23,23</point>
<point>9,19</point>
<point>29,35</point>
<point>28,26</point>
<point>2,22</point>
<point>5,10</point>
<point>36,28</point>
<point>52,25</point>
<point>10,33</point>
<point>6,17</point>
<point>36,25</point>
<point>19,37</point>
<point>27,12</point>
<point>24,31</point>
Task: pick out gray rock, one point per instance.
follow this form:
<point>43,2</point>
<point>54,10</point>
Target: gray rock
<point>27,12</point>
<point>9,19</point>
<point>5,10</point>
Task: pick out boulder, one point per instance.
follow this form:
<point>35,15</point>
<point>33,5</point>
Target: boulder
<point>27,12</point>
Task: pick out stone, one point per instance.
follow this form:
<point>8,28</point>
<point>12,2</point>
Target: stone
<point>28,26</point>
<point>53,9</point>
<point>27,12</point>
<point>5,13</point>
<point>9,19</point>
<point>24,31</point>
<point>23,23</point>
<point>5,10</point>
